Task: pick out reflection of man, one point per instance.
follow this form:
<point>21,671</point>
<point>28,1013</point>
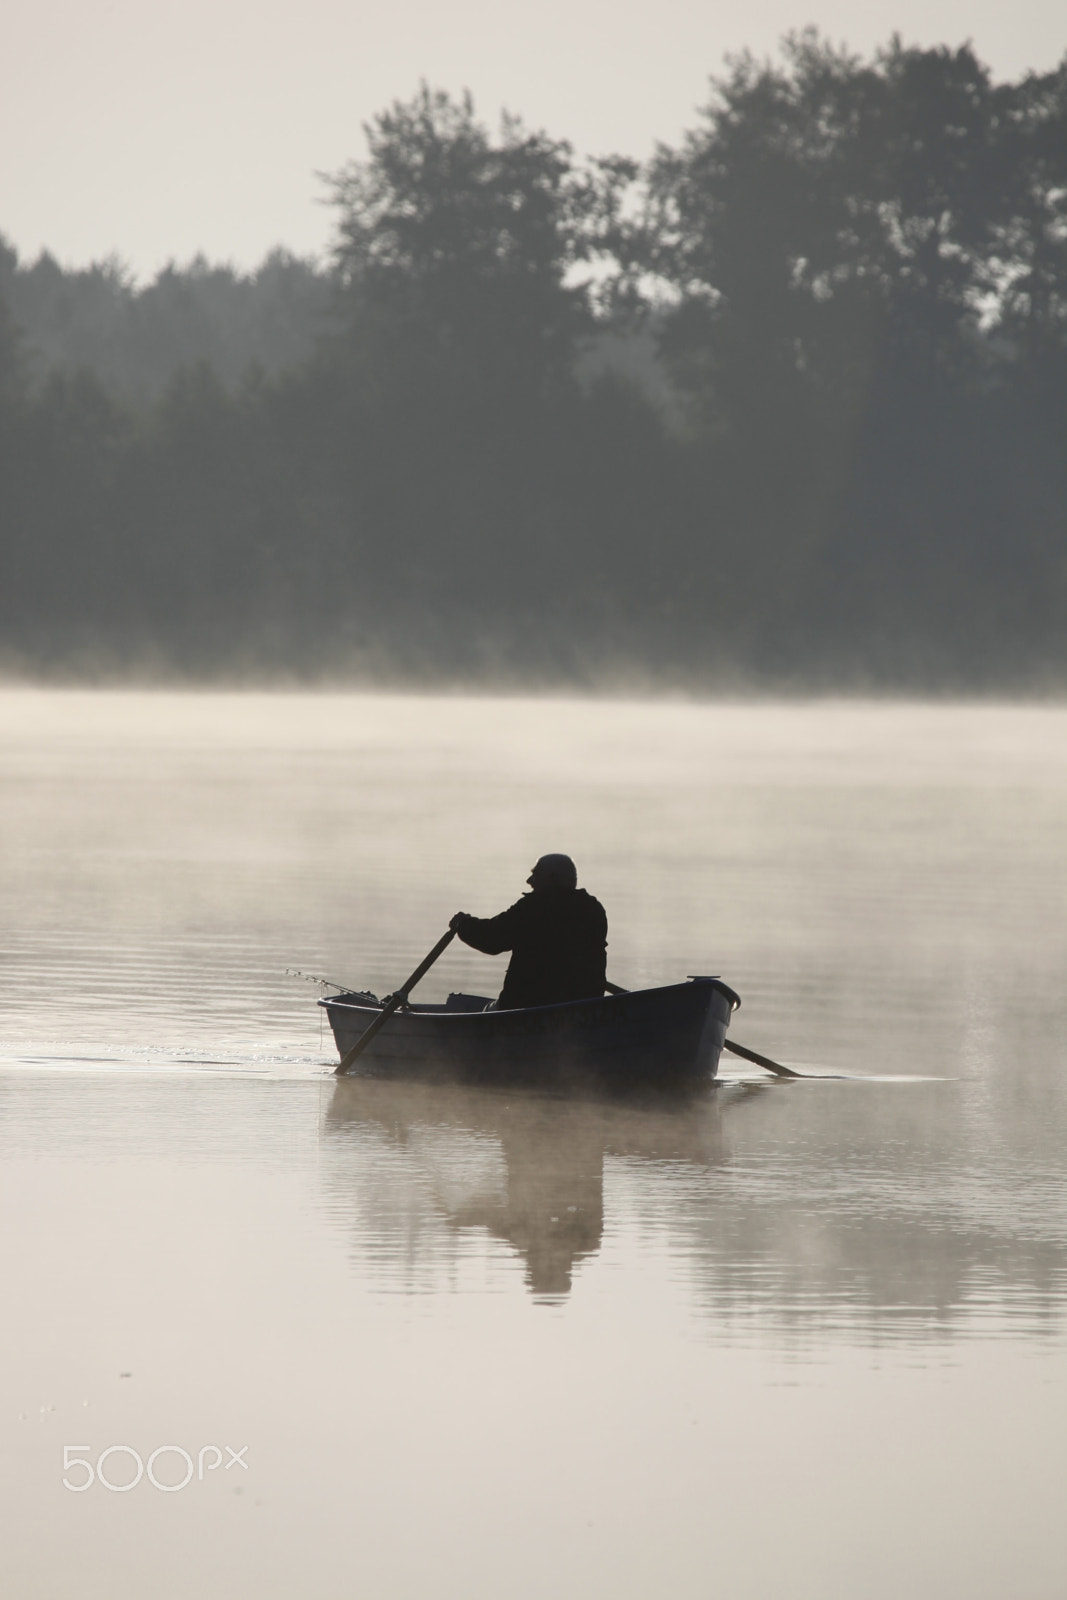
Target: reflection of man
<point>557,936</point>
<point>553,1209</point>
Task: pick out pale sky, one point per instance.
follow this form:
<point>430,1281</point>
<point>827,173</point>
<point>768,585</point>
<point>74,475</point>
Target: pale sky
<point>152,129</point>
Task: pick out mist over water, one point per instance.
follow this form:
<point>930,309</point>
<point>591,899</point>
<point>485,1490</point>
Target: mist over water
<point>783,406</point>
<point>790,1338</point>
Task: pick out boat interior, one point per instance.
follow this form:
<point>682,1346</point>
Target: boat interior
<point>455,1002</point>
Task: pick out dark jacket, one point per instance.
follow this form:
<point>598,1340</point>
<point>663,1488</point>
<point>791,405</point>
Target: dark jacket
<point>558,939</point>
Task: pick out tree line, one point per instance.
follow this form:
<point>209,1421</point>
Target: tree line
<point>786,404</point>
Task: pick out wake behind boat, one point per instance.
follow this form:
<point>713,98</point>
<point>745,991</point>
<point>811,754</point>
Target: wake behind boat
<point>646,1037</point>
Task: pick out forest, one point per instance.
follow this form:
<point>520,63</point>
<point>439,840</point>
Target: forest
<point>784,407</point>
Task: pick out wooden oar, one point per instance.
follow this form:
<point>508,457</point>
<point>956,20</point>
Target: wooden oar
<point>735,1049</point>
<point>761,1061</point>
<point>391,1004</point>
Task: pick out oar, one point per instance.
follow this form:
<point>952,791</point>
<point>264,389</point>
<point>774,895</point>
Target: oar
<point>735,1049</point>
<point>391,1004</point>
<point>761,1061</point>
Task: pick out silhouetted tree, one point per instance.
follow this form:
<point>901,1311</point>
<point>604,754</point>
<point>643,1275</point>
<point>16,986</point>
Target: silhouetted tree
<point>843,240</point>
<point>136,337</point>
<point>910,196</point>
<point>850,460</point>
<point>468,242</point>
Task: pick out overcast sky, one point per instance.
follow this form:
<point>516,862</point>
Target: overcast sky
<point>152,129</point>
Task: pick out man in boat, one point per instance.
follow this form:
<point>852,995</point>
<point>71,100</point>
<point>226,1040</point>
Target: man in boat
<point>557,936</point>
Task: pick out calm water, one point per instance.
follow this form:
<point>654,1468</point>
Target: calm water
<point>801,1340</point>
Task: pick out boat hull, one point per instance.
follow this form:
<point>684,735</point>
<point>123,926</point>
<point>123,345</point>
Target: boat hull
<point>650,1036</point>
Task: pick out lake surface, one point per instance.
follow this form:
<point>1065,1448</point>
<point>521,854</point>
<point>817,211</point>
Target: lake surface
<point>799,1339</point>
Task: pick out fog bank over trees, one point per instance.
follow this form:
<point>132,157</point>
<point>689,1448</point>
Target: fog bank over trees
<point>136,340</point>
<point>786,406</point>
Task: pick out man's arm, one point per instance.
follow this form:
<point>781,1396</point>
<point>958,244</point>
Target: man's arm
<point>491,935</point>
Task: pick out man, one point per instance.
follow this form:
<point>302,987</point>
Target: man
<point>557,936</point>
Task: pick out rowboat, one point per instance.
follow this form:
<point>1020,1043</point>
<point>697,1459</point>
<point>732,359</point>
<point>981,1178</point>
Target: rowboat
<point>655,1037</point>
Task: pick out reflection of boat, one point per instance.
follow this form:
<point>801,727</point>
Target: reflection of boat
<point>526,1167</point>
<point>810,1217</point>
<point>647,1036</point>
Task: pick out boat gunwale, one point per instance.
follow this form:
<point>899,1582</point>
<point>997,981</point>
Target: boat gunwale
<point>628,996</point>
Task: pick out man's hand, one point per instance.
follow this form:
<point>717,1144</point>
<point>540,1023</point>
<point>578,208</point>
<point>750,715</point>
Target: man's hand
<point>460,916</point>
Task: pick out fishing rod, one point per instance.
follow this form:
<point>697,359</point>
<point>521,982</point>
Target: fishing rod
<point>324,983</point>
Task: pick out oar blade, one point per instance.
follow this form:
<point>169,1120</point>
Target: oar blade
<point>761,1061</point>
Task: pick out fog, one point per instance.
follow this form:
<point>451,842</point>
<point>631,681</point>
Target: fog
<point>782,408</point>
<point>752,454</point>
<point>486,1341</point>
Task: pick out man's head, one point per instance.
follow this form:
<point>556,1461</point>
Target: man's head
<point>554,872</point>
